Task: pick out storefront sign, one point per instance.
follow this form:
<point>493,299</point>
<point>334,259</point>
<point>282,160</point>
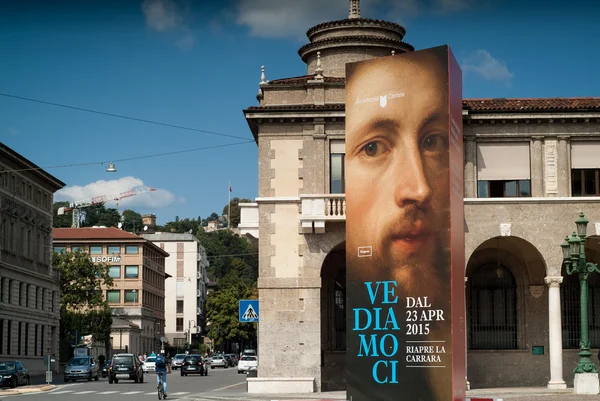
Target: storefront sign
<point>106,259</point>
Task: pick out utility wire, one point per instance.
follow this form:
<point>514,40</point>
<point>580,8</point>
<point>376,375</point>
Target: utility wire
<point>133,158</point>
<point>121,116</point>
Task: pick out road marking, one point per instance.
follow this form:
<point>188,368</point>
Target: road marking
<point>86,392</point>
<point>132,392</point>
<point>179,393</point>
<point>108,392</point>
<point>62,392</point>
<point>226,387</point>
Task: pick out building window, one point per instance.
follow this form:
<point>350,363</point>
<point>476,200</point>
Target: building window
<point>571,309</point>
<point>179,306</point>
<point>492,308</point>
<point>337,173</point>
<point>585,182</point>
<point>132,249</point>
<point>113,296</point>
<point>503,169</point>
<point>179,289</point>
<point>114,271</point>
<point>131,271</point>
<point>131,296</point>
<point>60,249</point>
<point>95,249</point>
<point>75,248</point>
<point>179,324</point>
<point>503,189</point>
<point>114,249</point>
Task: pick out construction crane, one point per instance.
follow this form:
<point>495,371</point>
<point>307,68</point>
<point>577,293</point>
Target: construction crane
<point>75,207</point>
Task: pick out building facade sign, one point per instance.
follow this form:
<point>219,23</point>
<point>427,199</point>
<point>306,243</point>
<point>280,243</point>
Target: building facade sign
<point>106,259</point>
<point>404,228</point>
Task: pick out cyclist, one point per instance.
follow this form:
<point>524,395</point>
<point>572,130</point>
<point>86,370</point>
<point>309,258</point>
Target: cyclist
<point>161,371</point>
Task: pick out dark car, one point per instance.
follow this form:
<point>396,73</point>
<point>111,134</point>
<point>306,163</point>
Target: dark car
<point>105,368</point>
<point>125,367</point>
<point>193,363</point>
<point>13,374</point>
<point>81,367</point>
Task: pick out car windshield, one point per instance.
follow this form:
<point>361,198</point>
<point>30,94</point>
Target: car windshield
<point>127,361</point>
<point>179,356</point>
<point>6,366</point>
<point>217,357</point>
<point>79,361</point>
<point>151,359</point>
<point>248,358</point>
<point>191,359</point>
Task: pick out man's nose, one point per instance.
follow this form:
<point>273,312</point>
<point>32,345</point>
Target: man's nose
<point>411,186</point>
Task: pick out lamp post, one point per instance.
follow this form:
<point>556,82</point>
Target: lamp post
<point>190,332</point>
<point>574,257</point>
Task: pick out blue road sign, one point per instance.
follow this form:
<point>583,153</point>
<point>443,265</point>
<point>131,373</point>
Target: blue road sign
<point>248,310</point>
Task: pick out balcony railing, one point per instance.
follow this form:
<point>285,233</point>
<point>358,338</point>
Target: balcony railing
<point>318,209</point>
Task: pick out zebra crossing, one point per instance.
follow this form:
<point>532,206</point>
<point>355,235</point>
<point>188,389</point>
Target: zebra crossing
<point>99,392</point>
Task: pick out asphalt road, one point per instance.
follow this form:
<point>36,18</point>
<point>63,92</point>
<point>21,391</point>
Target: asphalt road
<point>178,387</point>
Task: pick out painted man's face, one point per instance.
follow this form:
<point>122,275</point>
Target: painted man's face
<point>397,165</point>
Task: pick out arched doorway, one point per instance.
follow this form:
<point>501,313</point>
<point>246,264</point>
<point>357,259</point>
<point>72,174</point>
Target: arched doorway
<point>333,320</point>
<point>506,311</point>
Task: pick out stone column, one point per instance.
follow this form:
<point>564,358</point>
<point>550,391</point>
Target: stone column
<point>537,166</point>
<point>467,383</point>
<point>564,172</point>
<point>555,333</point>
<point>470,167</point>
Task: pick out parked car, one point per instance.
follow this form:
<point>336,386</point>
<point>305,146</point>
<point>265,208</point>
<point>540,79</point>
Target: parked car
<point>234,359</point>
<point>105,368</point>
<point>177,360</point>
<point>219,361</point>
<point>82,367</point>
<point>149,364</point>
<point>249,352</point>
<point>193,363</point>
<point>125,367</point>
<point>247,363</point>
<point>13,374</point>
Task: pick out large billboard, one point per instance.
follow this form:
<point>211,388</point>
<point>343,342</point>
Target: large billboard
<point>404,228</point>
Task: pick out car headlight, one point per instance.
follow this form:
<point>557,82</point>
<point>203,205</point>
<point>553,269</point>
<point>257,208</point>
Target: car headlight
<point>7,377</point>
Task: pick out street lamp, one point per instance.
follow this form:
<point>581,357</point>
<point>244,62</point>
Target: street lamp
<point>574,258</point>
<point>190,331</point>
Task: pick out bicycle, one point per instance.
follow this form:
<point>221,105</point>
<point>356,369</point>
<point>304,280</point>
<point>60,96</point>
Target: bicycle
<point>161,389</point>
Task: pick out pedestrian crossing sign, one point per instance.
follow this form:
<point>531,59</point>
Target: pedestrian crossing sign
<point>248,310</point>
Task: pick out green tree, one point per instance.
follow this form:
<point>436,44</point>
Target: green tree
<point>182,226</point>
<point>235,210</point>
<point>222,247</point>
<point>83,308</point>
<point>99,215</point>
<point>222,306</point>
<point>132,221</point>
<point>64,220</point>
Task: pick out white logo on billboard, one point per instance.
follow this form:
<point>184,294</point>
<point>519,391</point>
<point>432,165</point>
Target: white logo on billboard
<point>105,259</point>
<point>250,313</point>
<point>383,99</point>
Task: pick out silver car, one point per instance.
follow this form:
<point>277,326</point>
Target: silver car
<point>82,367</point>
<point>177,361</point>
<point>219,361</point>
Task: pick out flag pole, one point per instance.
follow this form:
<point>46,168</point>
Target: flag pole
<point>229,207</point>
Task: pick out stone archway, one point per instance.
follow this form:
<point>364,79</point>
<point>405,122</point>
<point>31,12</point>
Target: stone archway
<point>506,309</point>
<point>333,319</point>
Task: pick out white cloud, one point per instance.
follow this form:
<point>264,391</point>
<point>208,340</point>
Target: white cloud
<point>155,199</point>
<point>482,63</point>
<point>166,16</point>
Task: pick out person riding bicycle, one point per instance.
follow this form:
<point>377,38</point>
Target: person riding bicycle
<point>161,371</point>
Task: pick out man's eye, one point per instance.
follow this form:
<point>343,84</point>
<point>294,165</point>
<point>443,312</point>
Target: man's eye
<point>372,149</point>
<point>435,144</point>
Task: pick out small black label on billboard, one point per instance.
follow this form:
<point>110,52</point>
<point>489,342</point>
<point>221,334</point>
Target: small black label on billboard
<point>365,251</point>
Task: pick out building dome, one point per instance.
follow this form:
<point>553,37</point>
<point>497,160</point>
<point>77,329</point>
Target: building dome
<point>349,40</point>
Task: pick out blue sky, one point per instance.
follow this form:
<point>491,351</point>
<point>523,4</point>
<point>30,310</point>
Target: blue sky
<point>197,64</point>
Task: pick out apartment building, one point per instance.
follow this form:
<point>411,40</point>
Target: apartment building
<point>530,167</point>
<point>29,286</point>
<point>185,305</point>
<point>137,297</point>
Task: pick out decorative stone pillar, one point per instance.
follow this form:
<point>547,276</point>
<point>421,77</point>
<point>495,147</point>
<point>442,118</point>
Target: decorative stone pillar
<point>467,384</point>
<point>564,173</point>
<point>470,167</point>
<point>537,167</point>
<point>555,333</point>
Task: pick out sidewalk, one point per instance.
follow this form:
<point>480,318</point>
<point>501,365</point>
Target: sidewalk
<point>36,388</point>
<point>506,393</point>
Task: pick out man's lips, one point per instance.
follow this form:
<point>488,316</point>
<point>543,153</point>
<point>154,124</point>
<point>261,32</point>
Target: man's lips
<point>412,240</point>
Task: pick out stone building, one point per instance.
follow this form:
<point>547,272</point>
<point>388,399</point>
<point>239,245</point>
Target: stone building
<point>137,297</point>
<point>29,286</point>
<point>530,167</point>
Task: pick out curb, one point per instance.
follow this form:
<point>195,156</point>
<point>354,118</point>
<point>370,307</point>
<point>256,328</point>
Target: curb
<point>27,390</point>
<point>482,399</point>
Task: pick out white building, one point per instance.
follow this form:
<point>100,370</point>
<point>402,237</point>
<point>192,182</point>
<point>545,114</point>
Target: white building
<point>185,297</point>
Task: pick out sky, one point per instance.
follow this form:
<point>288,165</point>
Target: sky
<point>188,68</point>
